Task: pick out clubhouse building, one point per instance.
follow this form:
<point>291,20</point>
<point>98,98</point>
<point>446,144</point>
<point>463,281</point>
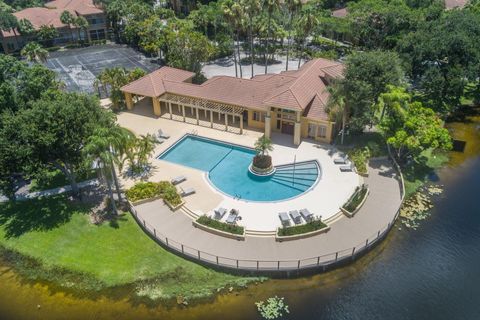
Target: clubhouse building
<point>292,102</point>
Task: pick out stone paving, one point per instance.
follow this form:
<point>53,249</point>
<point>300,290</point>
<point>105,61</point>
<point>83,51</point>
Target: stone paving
<point>373,218</point>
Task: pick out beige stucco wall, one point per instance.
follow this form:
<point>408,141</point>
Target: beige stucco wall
<point>329,125</point>
<point>254,124</point>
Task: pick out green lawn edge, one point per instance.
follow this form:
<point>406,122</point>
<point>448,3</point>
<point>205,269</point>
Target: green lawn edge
<point>52,239</point>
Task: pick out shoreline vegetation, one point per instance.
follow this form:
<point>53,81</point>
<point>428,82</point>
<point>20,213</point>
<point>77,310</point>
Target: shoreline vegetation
<point>58,244</point>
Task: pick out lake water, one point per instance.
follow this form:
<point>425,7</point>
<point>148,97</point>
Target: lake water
<point>430,273</point>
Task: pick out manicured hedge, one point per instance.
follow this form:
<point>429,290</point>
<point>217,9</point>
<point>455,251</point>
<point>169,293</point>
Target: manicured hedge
<point>222,226</point>
<point>356,198</point>
<point>303,228</point>
<point>146,190</point>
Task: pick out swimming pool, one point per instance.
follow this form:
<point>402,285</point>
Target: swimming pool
<point>227,165</point>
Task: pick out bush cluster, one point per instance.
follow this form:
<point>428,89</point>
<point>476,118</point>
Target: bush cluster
<point>313,225</point>
<point>356,198</point>
<point>360,158</point>
<point>222,226</point>
<point>146,190</point>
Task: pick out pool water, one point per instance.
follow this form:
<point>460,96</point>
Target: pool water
<point>227,169</point>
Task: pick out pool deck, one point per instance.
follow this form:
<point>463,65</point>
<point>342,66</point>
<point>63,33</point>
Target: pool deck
<point>324,199</point>
<point>373,219</point>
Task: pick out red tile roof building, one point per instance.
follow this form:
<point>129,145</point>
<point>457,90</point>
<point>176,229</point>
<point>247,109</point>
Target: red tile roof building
<point>291,102</point>
<point>49,15</point>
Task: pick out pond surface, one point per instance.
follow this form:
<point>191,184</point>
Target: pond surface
<point>430,273</point>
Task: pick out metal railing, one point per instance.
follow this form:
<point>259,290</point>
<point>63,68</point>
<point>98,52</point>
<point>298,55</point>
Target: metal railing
<point>317,262</point>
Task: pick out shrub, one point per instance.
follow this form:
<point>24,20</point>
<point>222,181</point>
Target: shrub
<point>360,158</point>
<point>313,225</point>
<point>54,48</point>
<point>171,195</point>
<point>262,162</point>
<point>143,190</point>
<point>356,198</point>
<point>222,226</point>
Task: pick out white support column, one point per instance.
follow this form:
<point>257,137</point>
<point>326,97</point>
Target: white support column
<point>170,110</point>
<point>211,119</point>
<point>219,115</point>
<point>241,124</point>
<point>183,112</point>
<point>267,125</point>
<point>196,114</point>
<point>297,130</point>
<point>226,122</point>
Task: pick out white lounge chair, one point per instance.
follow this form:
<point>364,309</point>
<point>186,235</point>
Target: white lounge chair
<point>341,160</point>
<point>219,213</point>
<point>178,180</point>
<point>232,217</point>
<point>296,217</point>
<point>284,218</point>
<point>347,168</point>
<point>306,214</point>
<point>162,135</point>
<point>186,192</point>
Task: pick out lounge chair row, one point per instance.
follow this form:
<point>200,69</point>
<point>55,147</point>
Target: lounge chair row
<point>346,164</point>
<point>232,217</point>
<point>296,216</point>
<point>183,191</point>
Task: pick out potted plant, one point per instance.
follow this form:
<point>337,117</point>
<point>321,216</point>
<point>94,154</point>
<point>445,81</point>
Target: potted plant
<point>262,162</point>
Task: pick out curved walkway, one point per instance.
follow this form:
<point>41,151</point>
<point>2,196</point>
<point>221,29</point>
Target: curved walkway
<point>347,237</point>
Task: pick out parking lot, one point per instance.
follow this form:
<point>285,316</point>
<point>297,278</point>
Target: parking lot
<point>78,68</point>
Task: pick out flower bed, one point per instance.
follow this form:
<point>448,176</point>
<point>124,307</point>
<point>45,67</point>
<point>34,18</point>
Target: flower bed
<point>301,229</point>
<point>356,200</point>
<point>148,190</point>
<point>225,227</point>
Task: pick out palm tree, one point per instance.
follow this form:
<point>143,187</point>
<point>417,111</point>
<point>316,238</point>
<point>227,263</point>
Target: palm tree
<point>337,105</point>
<point>34,52</point>
<point>106,147</point>
<point>307,23</point>
<point>8,22</point>
<point>271,6</point>
<point>81,24</point>
<point>292,7</point>
<point>67,18</point>
<point>25,27</point>
<point>263,145</point>
<point>145,147</point>
<point>251,9</point>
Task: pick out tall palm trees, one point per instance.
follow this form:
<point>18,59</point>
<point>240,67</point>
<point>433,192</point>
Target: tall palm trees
<point>105,148</point>
<point>271,6</point>
<point>67,18</point>
<point>337,104</point>
<point>233,13</point>
<point>292,7</point>
<point>308,21</point>
<point>82,25</point>
<point>251,9</point>
<point>34,52</point>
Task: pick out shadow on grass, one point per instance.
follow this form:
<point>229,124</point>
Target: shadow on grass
<point>40,214</point>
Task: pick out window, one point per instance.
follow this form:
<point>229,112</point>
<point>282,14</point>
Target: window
<point>322,131</point>
<point>312,130</point>
<point>258,116</point>
<point>279,124</point>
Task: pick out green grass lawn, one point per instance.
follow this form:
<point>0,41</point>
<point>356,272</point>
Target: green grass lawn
<point>373,140</point>
<point>58,234</point>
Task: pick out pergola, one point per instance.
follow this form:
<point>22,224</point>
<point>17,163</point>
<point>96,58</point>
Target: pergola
<point>205,105</point>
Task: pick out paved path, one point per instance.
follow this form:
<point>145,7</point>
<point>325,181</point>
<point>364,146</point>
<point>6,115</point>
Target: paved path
<point>378,211</point>
<point>51,192</point>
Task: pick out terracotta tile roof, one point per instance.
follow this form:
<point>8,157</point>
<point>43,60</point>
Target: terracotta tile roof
<point>81,7</point>
<point>451,4</point>
<point>340,13</point>
<point>153,84</point>
<point>50,14</point>
<point>304,89</point>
